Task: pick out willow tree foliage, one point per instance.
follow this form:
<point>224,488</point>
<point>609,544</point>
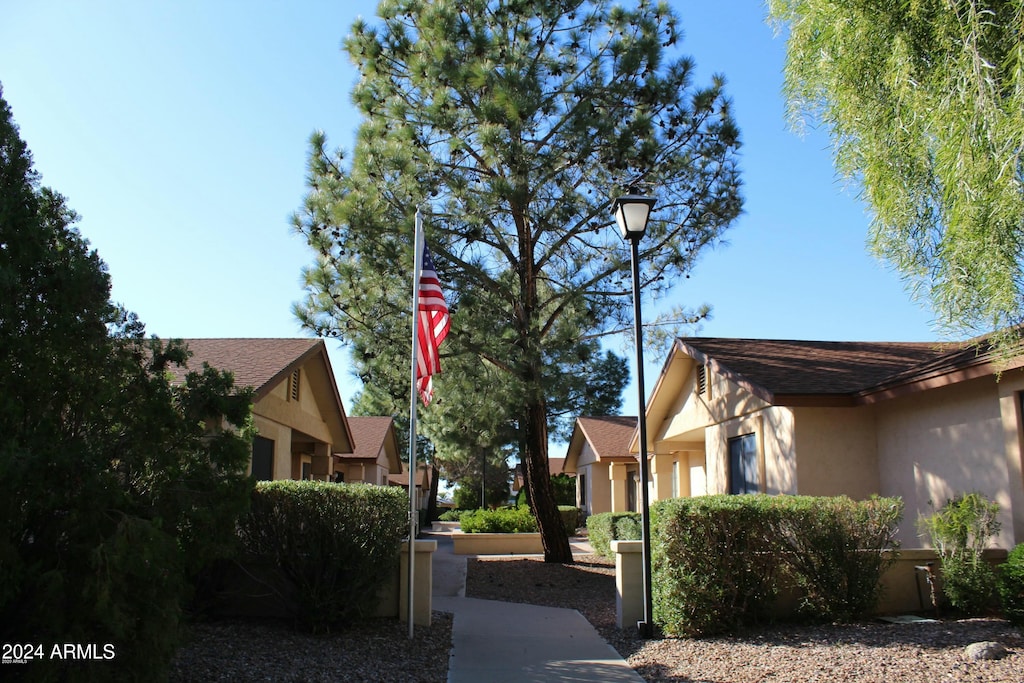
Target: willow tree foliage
<point>514,123</point>
<point>925,104</point>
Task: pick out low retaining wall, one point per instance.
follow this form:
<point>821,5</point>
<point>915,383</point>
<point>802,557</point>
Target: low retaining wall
<point>496,544</point>
<point>904,588</point>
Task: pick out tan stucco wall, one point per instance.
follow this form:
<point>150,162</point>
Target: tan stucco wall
<point>836,451</point>
<point>305,418</point>
<point>773,427</point>
<point>298,428</point>
<point>936,444</point>
<point>368,472</point>
<point>689,411</point>
<point>689,471</point>
<point>725,411</point>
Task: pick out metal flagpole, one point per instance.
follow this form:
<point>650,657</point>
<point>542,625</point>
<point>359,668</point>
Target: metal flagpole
<point>417,269</point>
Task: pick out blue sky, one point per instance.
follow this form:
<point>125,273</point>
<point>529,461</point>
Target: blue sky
<point>178,130</point>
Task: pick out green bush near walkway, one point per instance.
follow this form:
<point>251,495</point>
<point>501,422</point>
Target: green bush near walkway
<point>721,562</point>
<point>332,545</point>
<point>605,527</point>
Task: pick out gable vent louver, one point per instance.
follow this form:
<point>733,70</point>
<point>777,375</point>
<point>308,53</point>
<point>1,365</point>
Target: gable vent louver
<point>702,380</point>
<point>295,385</point>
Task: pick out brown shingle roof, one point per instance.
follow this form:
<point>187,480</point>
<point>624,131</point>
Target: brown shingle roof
<point>256,363</point>
<point>791,367</point>
<point>369,434</point>
<point>608,435</point>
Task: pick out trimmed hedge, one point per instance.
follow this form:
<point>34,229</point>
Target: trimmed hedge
<point>713,568</point>
<point>512,520</point>
<point>333,545</point>
<point>500,521</point>
<point>833,551</point>
<point>605,527</point>
<point>719,562</point>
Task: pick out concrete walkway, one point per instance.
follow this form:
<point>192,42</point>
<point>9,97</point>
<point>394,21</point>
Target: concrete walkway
<point>498,642</point>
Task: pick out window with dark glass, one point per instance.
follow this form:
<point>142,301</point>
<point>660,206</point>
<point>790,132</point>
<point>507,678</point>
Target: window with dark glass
<point>743,471</point>
<point>262,459</point>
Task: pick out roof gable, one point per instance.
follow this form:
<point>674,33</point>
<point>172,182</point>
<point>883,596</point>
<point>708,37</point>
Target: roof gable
<point>609,436</point>
<point>373,434</point>
<point>263,363</point>
<point>780,371</point>
<point>256,363</point>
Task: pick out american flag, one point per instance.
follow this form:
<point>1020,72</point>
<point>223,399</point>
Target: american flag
<point>431,328</point>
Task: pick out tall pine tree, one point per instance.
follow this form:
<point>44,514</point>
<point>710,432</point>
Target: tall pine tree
<point>515,123</point>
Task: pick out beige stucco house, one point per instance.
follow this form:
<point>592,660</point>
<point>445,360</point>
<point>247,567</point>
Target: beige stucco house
<point>607,474</point>
<point>297,410</point>
<point>375,456</point>
<point>924,421</point>
<point>424,482</point>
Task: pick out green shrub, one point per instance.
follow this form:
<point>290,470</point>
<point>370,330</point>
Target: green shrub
<point>564,487</point>
<point>500,521</point>
<point>713,565</point>
<point>1011,586</point>
<point>450,515</point>
<point>628,527</point>
<point>570,518</point>
<point>333,545</point>
<point>832,548</point>
<point>960,532</point>
<point>719,562</point>
<point>605,527</point>
<point>102,538</point>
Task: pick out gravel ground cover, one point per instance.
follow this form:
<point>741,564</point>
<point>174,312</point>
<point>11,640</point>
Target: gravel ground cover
<point>866,652</point>
<point>380,650</point>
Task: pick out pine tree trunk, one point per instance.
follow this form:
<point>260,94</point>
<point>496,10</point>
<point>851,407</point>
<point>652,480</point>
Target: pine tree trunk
<point>538,482</point>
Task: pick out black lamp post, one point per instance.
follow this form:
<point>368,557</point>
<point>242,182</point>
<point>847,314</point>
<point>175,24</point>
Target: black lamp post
<point>631,213</point>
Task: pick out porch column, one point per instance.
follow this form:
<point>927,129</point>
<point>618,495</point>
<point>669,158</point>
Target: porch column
<point>322,462</point>
<point>661,473</point>
<point>684,474</point>
<point>619,482</point>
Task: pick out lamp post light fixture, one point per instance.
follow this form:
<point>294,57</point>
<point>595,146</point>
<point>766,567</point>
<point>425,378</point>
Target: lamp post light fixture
<point>632,212</point>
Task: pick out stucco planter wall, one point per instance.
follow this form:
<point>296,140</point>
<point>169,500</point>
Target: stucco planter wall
<point>496,544</point>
